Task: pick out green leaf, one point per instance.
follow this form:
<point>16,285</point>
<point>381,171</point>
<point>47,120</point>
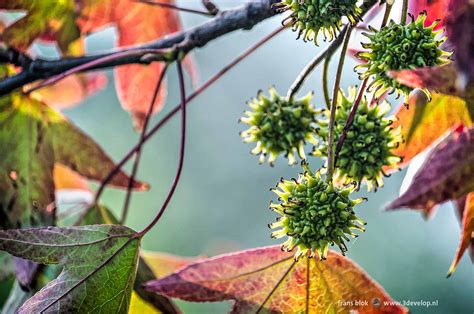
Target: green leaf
<point>100,214</point>
<point>99,266</point>
<point>33,138</point>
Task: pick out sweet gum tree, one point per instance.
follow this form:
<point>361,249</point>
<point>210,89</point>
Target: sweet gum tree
<point>88,260</point>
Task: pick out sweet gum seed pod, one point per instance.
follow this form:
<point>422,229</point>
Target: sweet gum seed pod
<point>368,149</point>
<point>309,17</point>
<point>318,215</point>
<point>399,47</point>
<point>279,125</point>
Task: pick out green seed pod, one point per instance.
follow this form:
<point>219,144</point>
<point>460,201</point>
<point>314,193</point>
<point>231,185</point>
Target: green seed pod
<point>312,222</point>
<point>400,47</point>
<point>309,17</point>
<point>367,149</point>
<point>279,125</point>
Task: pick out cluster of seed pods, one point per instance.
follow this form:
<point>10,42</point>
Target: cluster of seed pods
<point>309,17</point>
<point>279,125</point>
<point>368,146</point>
<point>314,215</point>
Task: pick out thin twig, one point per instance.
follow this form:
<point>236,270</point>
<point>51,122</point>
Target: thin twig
<point>327,99</point>
<point>138,155</point>
<point>241,18</point>
<point>334,104</point>
<point>175,7</point>
<point>182,91</point>
<point>176,109</point>
<point>350,119</point>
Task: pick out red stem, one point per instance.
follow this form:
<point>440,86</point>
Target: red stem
<point>181,152</point>
<point>136,162</point>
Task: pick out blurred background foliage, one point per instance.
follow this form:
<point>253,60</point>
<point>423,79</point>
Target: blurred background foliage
<point>221,204</point>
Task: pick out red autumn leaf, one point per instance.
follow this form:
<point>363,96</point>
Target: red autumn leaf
<point>436,9</point>
<point>136,23</point>
<point>424,122</point>
<point>441,79</point>
<point>271,280</point>
<point>467,231</point>
<point>447,173</point>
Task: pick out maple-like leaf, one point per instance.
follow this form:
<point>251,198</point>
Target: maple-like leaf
<point>447,173</point>
<point>142,301</point>
<point>424,122</point>
<point>441,79</point>
<point>269,280</point>
<point>99,265</point>
<point>33,138</point>
<point>467,231</point>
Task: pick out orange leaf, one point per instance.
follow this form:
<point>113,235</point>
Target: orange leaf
<point>467,232</point>
<point>423,123</point>
<point>270,280</point>
<point>136,23</point>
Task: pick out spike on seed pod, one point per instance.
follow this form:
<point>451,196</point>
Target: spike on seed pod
<point>279,125</point>
<point>309,18</point>
<point>312,222</point>
<point>399,47</point>
<point>367,149</point>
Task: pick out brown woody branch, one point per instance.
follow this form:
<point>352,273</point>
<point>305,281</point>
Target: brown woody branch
<point>244,17</point>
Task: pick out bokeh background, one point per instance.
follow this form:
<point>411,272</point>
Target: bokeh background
<point>221,203</point>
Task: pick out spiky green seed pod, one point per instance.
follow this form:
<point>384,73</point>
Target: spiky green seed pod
<point>367,149</point>
<point>314,215</point>
<point>400,47</point>
<point>309,17</point>
<point>279,125</point>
